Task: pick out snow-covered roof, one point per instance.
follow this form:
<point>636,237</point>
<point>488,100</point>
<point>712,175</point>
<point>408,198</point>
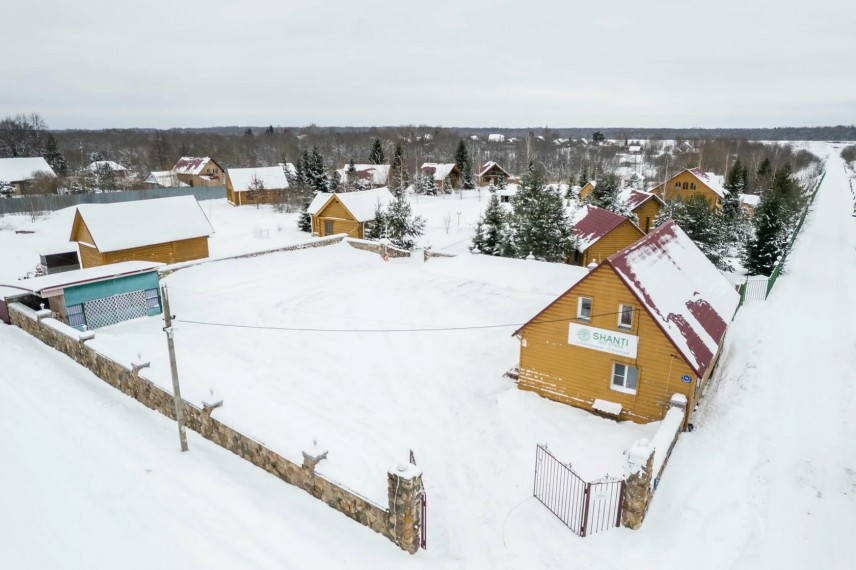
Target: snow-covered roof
<point>20,169</point>
<point>750,200</point>
<point>491,164</point>
<point>363,204</point>
<point>57,248</point>
<point>509,190</point>
<point>318,202</point>
<point>100,164</point>
<point>272,177</point>
<point>681,289</point>
<point>496,137</point>
<point>592,223</point>
<point>125,225</point>
<point>377,174</point>
<point>709,179</point>
<point>193,165</point>
<point>164,178</point>
<point>439,170</point>
<point>44,285</point>
<point>635,198</point>
<point>634,148</point>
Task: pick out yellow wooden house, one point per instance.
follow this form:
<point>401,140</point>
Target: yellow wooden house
<point>600,233</point>
<point>644,325</point>
<point>645,205</point>
<point>346,212</point>
<point>163,230</point>
<point>199,171</point>
<point>586,190</point>
<point>263,185</point>
<point>692,181</point>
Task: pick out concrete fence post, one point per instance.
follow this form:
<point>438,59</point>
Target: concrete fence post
<point>405,490</point>
<point>638,490</point>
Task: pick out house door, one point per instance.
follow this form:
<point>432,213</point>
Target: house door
<point>115,309</point>
<point>328,227</point>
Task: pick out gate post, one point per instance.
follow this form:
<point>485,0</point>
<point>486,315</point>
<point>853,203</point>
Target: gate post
<point>637,491</point>
<point>586,501</point>
<point>404,490</point>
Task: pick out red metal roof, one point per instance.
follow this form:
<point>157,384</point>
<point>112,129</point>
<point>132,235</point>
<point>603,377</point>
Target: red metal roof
<point>592,223</point>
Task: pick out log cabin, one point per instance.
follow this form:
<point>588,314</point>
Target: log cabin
<point>163,230</point>
<point>645,324</point>
<point>263,185</point>
<point>346,212</point>
<point>689,182</point>
<point>491,173</point>
<point>445,175</point>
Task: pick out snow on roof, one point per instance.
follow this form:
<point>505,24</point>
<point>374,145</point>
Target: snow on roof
<point>272,177</point>
<point>681,289</point>
<point>510,190</point>
<point>193,165</point>
<point>440,171</point>
<point>709,179</point>
<point>57,248</point>
<point>491,164</point>
<point>592,223</point>
<point>496,137</point>
<point>634,148</point>
<point>363,204</point>
<point>125,225</point>
<point>99,164</point>
<point>635,198</point>
<point>20,169</point>
<point>165,178</point>
<point>47,283</point>
<point>378,174</point>
<point>318,202</point>
<point>750,200</point>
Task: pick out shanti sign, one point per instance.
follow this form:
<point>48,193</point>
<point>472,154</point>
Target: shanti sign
<point>603,340</point>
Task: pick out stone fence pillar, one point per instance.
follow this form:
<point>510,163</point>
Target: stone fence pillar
<point>638,491</point>
<point>404,487</point>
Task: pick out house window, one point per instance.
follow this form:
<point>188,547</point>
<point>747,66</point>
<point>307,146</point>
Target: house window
<point>677,184</point>
<point>625,316</point>
<point>686,186</point>
<point>625,378</point>
<point>584,309</point>
<point>152,299</point>
<point>328,227</point>
<point>692,185</point>
<point>76,318</point>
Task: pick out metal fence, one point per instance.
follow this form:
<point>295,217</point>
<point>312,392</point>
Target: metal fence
<point>585,508</point>
<point>51,203</point>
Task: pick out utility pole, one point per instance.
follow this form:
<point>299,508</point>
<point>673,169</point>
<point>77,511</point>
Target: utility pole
<point>176,390</point>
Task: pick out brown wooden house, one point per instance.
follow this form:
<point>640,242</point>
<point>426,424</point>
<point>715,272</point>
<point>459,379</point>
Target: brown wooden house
<point>491,173</point>
<point>644,325</point>
<point>445,175</point>
<point>19,172</point>
<point>689,182</point>
<point>600,233</point>
<point>199,171</point>
<point>347,212</point>
<point>263,185</point>
<point>163,230</point>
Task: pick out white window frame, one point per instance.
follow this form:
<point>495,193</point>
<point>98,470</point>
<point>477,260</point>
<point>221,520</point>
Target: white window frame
<point>623,386</point>
<point>580,316</point>
<point>621,313</point>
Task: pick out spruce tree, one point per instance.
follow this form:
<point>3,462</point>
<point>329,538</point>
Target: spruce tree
<point>399,224</point>
<point>769,239</point>
<point>377,228</point>
<point>539,223</point>
<point>464,163</point>
<point>398,175</point>
<point>492,236</point>
<point>703,224</point>
<point>733,219</point>
<point>583,178</point>
<point>304,221</point>
<point>607,195</point>
<point>376,155</point>
<point>425,183</point>
<point>54,157</point>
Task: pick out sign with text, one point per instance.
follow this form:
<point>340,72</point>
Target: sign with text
<point>603,340</point>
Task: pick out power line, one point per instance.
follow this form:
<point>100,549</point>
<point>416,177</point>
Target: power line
<point>391,330</point>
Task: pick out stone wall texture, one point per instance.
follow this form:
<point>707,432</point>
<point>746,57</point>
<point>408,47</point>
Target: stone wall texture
<point>376,247</point>
<point>399,522</point>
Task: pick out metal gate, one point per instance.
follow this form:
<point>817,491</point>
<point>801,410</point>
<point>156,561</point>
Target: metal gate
<point>585,508</point>
<point>756,288</point>
<point>423,511</point>
<point>115,309</point>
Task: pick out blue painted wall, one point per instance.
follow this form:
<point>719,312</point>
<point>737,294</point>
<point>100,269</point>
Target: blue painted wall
<point>90,291</point>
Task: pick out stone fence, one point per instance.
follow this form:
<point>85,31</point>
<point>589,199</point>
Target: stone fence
<point>400,521</point>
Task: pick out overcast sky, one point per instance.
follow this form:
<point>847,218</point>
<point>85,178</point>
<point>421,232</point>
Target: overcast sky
<point>561,63</point>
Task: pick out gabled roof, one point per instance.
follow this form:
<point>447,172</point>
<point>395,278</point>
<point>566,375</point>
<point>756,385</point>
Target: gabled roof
<point>165,178</point>
<point>361,204</point>
<point>491,164</point>
<point>635,198</point>
<point>318,202</point>
<point>592,223</point>
<point>19,169</point>
<point>99,164</point>
<point>193,165</point>
<point>271,177</point>
<point>709,179</point>
<point>377,174</point>
<point>440,171</point>
<point>681,289</point>
<point>125,225</point>
<point>46,285</point>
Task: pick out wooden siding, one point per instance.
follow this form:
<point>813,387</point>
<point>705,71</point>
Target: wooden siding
<point>586,190</point>
<point>647,213</point>
<point>623,235</point>
<point>343,221</point>
<point>674,188</point>
<point>90,257</point>
<point>577,376</point>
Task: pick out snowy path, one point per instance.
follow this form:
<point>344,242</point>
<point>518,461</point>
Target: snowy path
<point>769,478</point>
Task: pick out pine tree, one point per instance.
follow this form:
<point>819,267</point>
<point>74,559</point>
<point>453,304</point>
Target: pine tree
<point>703,224</point>
<point>398,175</point>
<point>492,236</point>
<point>304,221</point>
<point>769,239</point>
<point>733,219</point>
<point>465,165</point>
<point>398,224</point>
<point>54,157</point>
<point>377,228</point>
<point>425,183</point>
<point>607,195</point>
<point>315,172</point>
<point>376,155</point>
<point>540,225</point>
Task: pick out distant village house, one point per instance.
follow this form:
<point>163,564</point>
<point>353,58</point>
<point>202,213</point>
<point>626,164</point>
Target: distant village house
<point>692,181</point>
<point>367,175</point>
<point>17,173</point>
<point>199,171</point>
<point>264,185</point>
<point>347,212</point>
<point>445,175</point>
<point>491,173</point>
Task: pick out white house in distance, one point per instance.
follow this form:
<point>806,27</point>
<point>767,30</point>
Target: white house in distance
<point>371,175</point>
<point>18,172</point>
<point>164,179</point>
<point>101,165</point>
<point>443,173</point>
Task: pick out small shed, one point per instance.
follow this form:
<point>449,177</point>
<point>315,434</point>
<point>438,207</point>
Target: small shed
<point>263,185</point>
<point>346,212</point>
<point>646,206</point>
<point>163,230</point>
<point>491,173</point>
<point>98,296</point>
<point>643,325</point>
<point>59,258</point>
<point>586,189</point>
<point>600,233</point>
